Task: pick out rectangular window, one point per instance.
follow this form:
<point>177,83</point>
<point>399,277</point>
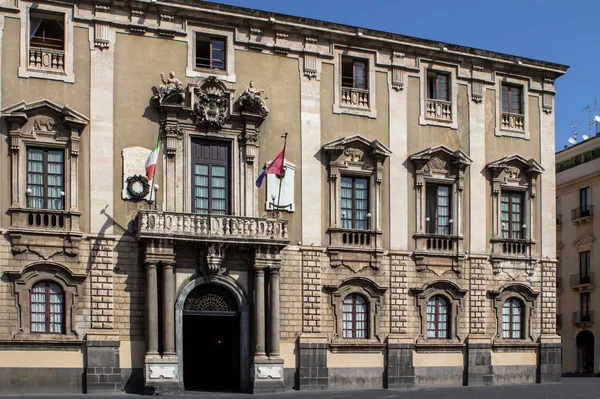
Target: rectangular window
<point>210,177</point>
<point>584,201</point>
<point>584,267</point>
<point>47,31</point>
<point>354,73</point>
<point>355,203</point>
<point>210,52</point>
<point>512,215</point>
<point>437,86</point>
<point>45,178</point>
<point>439,211</point>
<point>511,99</point>
<point>584,304</point>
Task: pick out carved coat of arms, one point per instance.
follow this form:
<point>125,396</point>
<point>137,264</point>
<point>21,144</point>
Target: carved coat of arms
<point>212,103</point>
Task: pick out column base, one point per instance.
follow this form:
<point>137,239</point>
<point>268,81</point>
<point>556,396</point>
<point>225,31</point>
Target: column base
<point>550,359</point>
<point>479,361</point>
<point>312,366</point>
<point>267,375</point>
<point>399,369</point>
<point>162,375</point>
<point>102,369</point>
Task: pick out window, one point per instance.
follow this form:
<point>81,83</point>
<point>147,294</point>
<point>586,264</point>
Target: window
<point>584,306</point>
<point>45,178</point>
<point>584,202</point>
<point>354,73</point>
<point>437,317</point>
<point>47,32</point>
<point>512,313</point>
<point>512,104</point>
<point>210,52</point>
<point>355,203</point>
<point>584,267</point>
<point>512,108</point>
<point>210,177</point>
<point>438,219</point>
<point>354,315</point>
<point>437,86</point>
<point>47,308</point>
<point>512,215</point>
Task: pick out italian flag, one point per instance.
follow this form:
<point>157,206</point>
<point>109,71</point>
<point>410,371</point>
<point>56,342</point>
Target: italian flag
<point>152,159</point>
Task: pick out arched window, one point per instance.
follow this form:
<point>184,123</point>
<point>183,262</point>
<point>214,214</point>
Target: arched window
<point>47,308</point>
<point>354,317</point>
<point>512,316</point>
<point>438,318</point>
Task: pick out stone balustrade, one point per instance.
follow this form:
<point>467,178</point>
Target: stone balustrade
<point>47,59</point>
<point>439,109</point>
<point>354,239</point>
<point>51,220</point>
<point>439,243</point>
<point>511,247</point>
<point>216,227</point>
<point>511,121</point>
<point>355,97</point>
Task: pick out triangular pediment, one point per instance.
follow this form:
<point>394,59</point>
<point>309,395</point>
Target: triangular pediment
<point>24,111</point>
<point>374,147</point>
<point>457,156</point>
<point>527,165</point>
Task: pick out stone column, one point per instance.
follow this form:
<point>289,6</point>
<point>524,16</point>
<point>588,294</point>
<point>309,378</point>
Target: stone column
<point>152,307</point>
<point>274,335</point>
<point>168,309</point>
<point>259,312</point>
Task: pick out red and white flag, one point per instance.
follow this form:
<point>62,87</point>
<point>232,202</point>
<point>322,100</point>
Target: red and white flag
<point>152,160</point>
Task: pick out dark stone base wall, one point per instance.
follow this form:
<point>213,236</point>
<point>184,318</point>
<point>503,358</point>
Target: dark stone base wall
<point>550,361</point>
<point>356,378</point>
<point>438,376</point>
<point>103,373</point>
<point>399,370</point>
<point>290,377</point>
<point>312,366</point>
<point>55,380</point>
<point>479,365</point>
<point>505,375</point>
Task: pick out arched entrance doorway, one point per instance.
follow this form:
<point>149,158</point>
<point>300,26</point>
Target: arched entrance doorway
<point>211,339</point>
<point>585,352</point>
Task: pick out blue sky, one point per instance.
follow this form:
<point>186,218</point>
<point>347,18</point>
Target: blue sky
<point>549,30</point>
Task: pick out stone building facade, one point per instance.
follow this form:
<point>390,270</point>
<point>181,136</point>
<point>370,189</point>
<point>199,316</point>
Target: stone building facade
<point>577,185</point>
<point>409,241</point>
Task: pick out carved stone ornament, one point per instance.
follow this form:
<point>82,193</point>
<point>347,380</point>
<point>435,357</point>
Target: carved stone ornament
<point>138,187</point>
<point>215,253</point>
<point>170,92</point>
<point>211,103</point>
<point>250,101</point>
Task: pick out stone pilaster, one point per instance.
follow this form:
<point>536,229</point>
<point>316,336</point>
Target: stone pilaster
<point>399,369</point>
<point>151,308</point>
<point>479,345</point>
<point>311,291</point>
<point>102,372</point>
<point>550,353</point>
<point>168,319</point>
<point>312,362</point>
<point>102,279</point>
<point>274,319</point>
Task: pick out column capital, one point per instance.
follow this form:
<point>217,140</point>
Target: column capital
<point>151,262</point>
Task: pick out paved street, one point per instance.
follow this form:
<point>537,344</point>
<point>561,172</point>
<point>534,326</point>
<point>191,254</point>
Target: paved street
<point>569,388</point>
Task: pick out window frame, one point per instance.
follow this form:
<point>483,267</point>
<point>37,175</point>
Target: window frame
<point>355,331</point>
<point>354,221</point>
<point>584,201</point>
<point>210,41</point>
<point>527,298</point>
<point>510,231</point>
<point>585,266</point>
<point>45,173</point>
<point>512,81</point>
<point>427,68</point>
<point>341,52</point>
<point>434,75</point>
<point>513,319</point>
<point>228,171</point>
<point>449,207</point>
<point>47,308</point>
<point>437,331</point>
<point>228,35</point>
<point>52,10</point>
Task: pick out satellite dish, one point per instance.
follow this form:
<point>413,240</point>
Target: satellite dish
<point>585,137</point>
<point>572,140</point>
<point>597,119</point>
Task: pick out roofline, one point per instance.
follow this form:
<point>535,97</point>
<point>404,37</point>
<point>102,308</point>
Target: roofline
<point>594,137</point>
<point>392,38</point>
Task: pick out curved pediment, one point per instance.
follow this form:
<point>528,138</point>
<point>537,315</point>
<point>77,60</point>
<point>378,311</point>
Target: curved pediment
<point>46,268</point>
<point>584,240</point>
<point>446,286</point>
<point>344,286</point>
<point>521,289</point>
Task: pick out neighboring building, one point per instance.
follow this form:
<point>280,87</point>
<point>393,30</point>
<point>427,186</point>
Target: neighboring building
<point>577,190</point>
<point>412,241</point>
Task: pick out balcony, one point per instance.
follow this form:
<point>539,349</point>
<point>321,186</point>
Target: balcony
<point>439,109</point>
<point>512,121</point>
<point>582,282</point>
<point>44,230</point>
<point>582,214</point>
<point>47,59</point>
<point>438,250</point>
<point>211,228</point>
<point>511,247</point>
<point>352,97</point>
<point>355,248</point>
<point>583,319</point>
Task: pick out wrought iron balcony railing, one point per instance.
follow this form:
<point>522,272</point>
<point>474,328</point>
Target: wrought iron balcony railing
<point>582,212</point>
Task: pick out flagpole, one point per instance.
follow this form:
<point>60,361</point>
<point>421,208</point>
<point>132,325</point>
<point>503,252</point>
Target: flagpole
<point>282,170</point>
